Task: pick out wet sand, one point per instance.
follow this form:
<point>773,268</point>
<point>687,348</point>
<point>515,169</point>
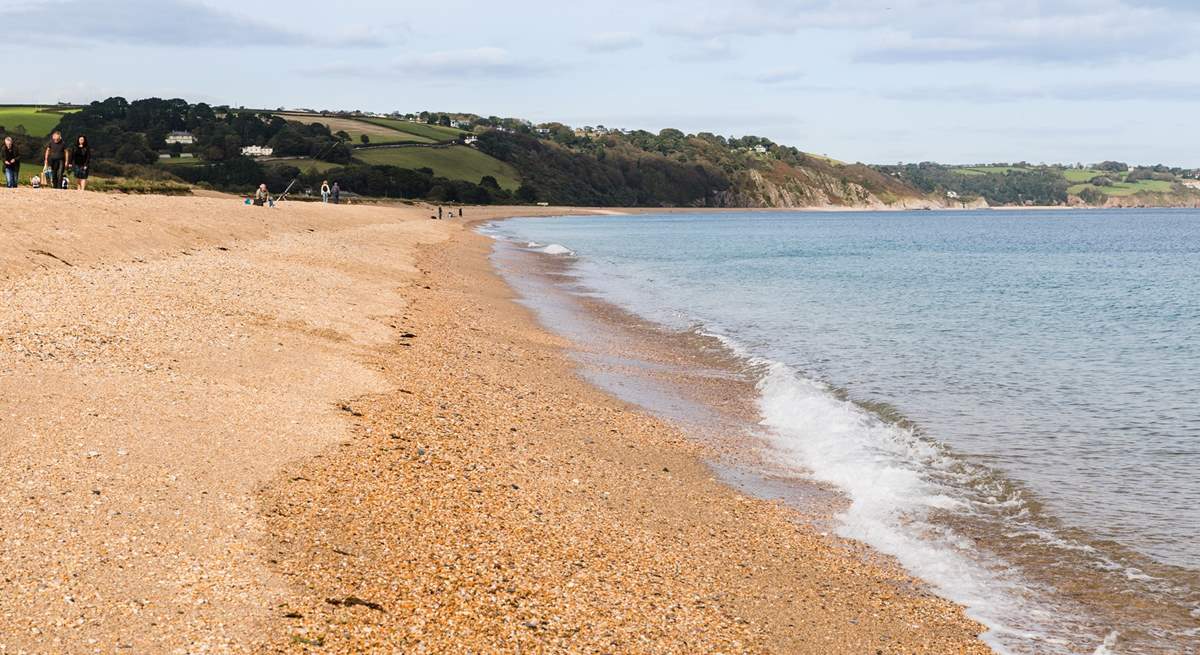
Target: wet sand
<point>317,429</point>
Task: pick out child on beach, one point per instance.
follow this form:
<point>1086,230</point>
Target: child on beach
<point>56,159</point>
<point>325,191</point>
<point>12,162</point>
<point>80,157</point>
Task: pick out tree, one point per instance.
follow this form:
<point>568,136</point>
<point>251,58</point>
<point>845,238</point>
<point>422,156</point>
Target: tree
<point>342,135</point>
<point>130,154</point>
<point>366,140</point>
<point>526,193</point>
<point>488,182</point>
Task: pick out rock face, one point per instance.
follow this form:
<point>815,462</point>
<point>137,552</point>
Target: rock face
<point>1178,199</point>
<point>1189,200</point>
<point>797,187</point>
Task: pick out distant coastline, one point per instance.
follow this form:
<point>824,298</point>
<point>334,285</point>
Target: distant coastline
<point>168,146</point>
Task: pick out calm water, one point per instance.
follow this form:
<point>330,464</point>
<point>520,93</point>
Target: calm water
<point>1010,400</point>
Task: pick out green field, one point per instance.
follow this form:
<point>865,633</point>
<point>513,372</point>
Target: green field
<point>35,121</point>
<point>306,164</point>
<point>1085,174</point>
<point>378,134</point>
<point>986,170</point>
<point>1127,188</point>
<point>455,162</point>
<point>431,132</point>
<point>180,161</point>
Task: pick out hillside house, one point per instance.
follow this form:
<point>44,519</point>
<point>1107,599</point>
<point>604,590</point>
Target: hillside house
<point>760,149</point>
<point>471,140</point>
<point>184,138</point>
<point>258,151</point>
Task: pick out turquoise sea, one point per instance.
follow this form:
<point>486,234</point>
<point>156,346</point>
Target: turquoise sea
<point>1039,459</point>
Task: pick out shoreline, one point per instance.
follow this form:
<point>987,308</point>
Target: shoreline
<point>332,430</point>
<point>609,530</point>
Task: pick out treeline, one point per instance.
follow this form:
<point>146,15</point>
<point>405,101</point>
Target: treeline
<point>604,175</point>
<point>135,132</point>
<point>243,173</point>
<point>1042,186</point>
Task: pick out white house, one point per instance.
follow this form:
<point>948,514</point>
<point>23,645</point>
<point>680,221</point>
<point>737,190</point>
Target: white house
<point>257,151</point>
<point>760,149</point>
<point>471,140</point>
<point>185,138</point>
<point>953,195</point>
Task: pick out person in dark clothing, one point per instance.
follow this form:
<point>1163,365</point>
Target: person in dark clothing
<point>337,193</point>
<point>439,212</point>
<point>12,162</point>
<point>79,158</point>
<point>56,159</point>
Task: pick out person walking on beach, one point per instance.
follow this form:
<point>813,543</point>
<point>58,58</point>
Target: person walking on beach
<point>12,162</point>
<point>56,159</point>
<point>439,212</point>
<point>325,191</point>
<point>80,158</point>
<point>337,193</point>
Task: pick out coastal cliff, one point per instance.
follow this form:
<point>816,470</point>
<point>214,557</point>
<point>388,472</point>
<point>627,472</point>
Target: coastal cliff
<point>788,187</point>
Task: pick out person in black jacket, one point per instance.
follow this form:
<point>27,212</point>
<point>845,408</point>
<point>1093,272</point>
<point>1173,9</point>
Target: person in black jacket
<point>80,158</point>
<point>55,161</point>
<point>12,162</point>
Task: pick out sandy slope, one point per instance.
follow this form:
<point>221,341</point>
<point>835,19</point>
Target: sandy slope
<point>189,348</point>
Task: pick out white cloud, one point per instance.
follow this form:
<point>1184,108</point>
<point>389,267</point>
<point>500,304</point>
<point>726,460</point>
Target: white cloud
<point>171,23</point>
<point>919,31</point>
<point>779,75</point>
<point>612,42</point>
<point>485,61</point>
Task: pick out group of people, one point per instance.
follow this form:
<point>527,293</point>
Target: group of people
<point>57,159</point>
<point>334,192</point>
<point>263,198</point>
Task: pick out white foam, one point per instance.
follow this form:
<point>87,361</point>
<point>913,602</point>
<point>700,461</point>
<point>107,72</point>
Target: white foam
<point>556,249</point>
<point>881,469</point>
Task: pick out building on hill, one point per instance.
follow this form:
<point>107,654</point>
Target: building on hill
<point>257,151</point>
<point>184,138</point>
<point>760,149</point>
<point>471,140</point>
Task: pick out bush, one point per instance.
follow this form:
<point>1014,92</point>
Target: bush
<point>1092,196</point>
<point>139,186</point>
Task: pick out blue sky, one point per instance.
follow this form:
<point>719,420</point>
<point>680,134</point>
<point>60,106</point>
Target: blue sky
<point>877,81</point>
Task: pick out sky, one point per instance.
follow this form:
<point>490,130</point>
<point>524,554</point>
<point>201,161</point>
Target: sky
<point>877,81</point>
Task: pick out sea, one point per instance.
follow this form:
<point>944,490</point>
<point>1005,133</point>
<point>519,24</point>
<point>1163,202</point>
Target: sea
<point>1005,402</point>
